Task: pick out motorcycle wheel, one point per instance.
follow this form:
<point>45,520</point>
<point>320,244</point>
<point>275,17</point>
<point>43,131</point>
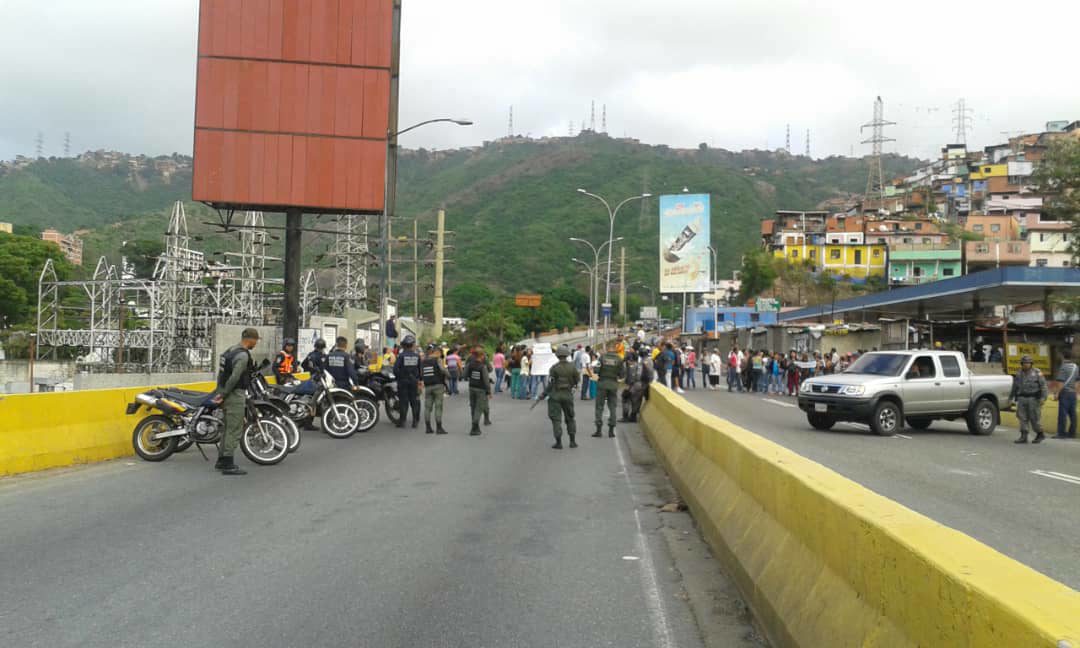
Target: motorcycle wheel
<point>146,446</point>
<point>369,413</point>
<point>275,414</point>
<point>392,411</point>
<point>341,420</point>
<point>184,443</point>
<point>265,442</point>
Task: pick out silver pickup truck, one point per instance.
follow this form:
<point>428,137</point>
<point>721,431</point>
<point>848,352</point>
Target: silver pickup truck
<point>882,389</point>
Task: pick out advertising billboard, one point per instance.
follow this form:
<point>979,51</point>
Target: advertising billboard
<point>684,243</point>
<point>292,105</point>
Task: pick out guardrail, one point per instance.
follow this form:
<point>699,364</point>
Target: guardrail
<point>823,561</point>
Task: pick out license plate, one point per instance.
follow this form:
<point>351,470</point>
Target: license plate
<point>821,407</point>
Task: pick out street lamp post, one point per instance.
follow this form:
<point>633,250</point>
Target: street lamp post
<point>389,203</point>
<point>592,284</point>
<point>715,280</point>
<point>612,213</point>
<point>594,316</point>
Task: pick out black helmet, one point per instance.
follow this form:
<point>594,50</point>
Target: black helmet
<point>360,346</point>
<point>320,344</point>
<point>287,342</point>
<point>408,341</point>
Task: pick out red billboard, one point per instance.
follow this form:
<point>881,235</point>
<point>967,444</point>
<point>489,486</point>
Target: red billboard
<point>292,104</point>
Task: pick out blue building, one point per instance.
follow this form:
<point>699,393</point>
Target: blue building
<point>700,320</point>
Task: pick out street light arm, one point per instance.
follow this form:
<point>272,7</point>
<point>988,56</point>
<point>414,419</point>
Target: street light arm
<point>459,122</point>
<point>586,193</point>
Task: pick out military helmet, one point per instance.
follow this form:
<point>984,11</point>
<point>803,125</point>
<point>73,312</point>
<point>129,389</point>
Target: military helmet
<point>320,344</point>
<point>563,351</point>
<point>1026,359</point>
<point>287,342</point>
<point>408,341</point>
<point>360,346</point>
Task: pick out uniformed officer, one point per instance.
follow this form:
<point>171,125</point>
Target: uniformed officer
<point>315,361</point>
<point>609,374</point>
<point>476,371</point>
<point>632,373</point>
<point>339,364</point>
<point>234,373</point>
<point>407,372</point>
<point>563,378</point>
<point>1029,391</point>
<point>285,362</point>
<point>361,356</point>
<point>434,375</point>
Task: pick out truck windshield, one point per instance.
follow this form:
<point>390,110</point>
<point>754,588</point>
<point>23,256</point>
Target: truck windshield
<point>879,364</point>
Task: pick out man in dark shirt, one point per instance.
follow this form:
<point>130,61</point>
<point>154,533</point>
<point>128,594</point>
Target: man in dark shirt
<point>340,366</point>
<point>407,372</point>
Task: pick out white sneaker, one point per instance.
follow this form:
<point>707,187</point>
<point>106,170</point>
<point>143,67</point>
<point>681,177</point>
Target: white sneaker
<point>680,390</point>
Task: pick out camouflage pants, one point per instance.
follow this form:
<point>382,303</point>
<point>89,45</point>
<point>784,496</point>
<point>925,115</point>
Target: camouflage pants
<point>609,396</point>
<point>234,407</point>
<point>433,401</point>
<point>1029,412</point>
<point>561,405</point>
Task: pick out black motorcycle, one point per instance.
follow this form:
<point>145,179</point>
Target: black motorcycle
<point>383,385</point>
<point>342,412</point>
<point>273,405</point>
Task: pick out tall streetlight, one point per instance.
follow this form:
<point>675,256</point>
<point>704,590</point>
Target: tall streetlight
<point>612,213</point>
<point>388,210</point>
<point>713,283</point>
<point>589,270</point>
<point>593,315</point>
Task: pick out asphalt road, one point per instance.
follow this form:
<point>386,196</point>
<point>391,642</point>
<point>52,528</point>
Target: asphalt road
<point>1005,495</point>
<point>391,538</point>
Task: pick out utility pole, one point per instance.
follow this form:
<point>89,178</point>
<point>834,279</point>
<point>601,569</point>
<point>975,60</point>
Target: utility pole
<point>622,283</point>
<point>33,355</point>
<point>437,302</point>
<point>415,274</point>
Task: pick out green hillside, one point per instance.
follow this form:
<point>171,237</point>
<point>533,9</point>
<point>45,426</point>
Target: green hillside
<point>513,204</point>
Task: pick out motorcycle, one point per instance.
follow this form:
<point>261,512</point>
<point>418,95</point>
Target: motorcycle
<point>273,406</point>
<point>193,417</point>
<point>342,412</point>
<point>383,385</point>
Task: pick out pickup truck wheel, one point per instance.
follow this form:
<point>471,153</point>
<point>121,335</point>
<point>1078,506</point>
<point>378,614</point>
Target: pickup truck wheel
<point>983,417</point>
<point>920,423</point>
<point>820,421</point>
<point>886,418</point>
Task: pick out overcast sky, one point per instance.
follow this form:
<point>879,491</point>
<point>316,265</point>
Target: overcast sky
<point>120,74</point>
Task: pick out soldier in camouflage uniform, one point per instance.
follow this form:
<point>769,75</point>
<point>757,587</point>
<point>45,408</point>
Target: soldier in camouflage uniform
<point>563,378</point>
<point>1030,392</point>
<point>609,374</point>
<point>234,373</point>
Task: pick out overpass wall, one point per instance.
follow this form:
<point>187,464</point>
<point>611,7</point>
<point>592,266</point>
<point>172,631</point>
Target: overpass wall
<point>823,561</point>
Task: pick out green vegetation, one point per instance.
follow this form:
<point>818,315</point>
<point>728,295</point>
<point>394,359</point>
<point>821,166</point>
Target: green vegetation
<point>1058,178</point>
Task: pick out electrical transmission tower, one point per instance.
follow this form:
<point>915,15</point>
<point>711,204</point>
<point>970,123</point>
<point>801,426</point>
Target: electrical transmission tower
<point>592,116</point>
<point>350,262</point>
<point>510,129</point>
<point>875,181</point>
<point>39,144</point>
<point>961,120</point>
<point>603,121</point>
<point>807,142</point>
<point>787,140</point>
<point>67,144</point>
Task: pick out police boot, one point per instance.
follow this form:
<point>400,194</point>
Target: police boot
<point>231,468</point>
<point>597,434</point>
<point>1022,439</point>
<point>573,441</point>
<point>611,433</point>
<point>487,419</point>
<point>222,463</point>
<point>427,428</point>
<point>415,424</point>
<point>439,428</point>
<point>558,443</point>
<point>475,431</point>
<point>1039,436</point>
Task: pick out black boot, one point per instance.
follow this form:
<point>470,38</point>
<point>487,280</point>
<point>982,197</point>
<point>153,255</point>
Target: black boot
<point>487,419</point>
<point>558,443</point>
<point>439,429</point>
<point>222,463</point>
<point>611,433</point>
<point>475,431</point>
<point>1038,438</point>
<point>597,435</point>
<point>230,467</point>
<point>573,441</point>
<point>1022,439</point>
<point>415,424</point>
<point>427,428</point>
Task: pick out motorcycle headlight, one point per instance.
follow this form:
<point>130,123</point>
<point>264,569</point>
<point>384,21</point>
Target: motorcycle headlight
<point>853,390</point>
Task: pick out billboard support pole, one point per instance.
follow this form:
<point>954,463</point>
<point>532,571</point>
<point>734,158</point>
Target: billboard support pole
<point>391,174</point>
<point>293,252</point>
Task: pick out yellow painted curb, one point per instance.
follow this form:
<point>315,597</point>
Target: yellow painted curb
<point>823,561</point>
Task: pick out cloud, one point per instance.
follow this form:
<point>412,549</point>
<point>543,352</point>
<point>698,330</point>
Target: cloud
<point>120,73</point>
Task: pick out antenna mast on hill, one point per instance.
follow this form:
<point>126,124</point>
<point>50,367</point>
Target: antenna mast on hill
<point>67,144</point>
<point>592,116</point>
<point>807,142</point>
<point>603,122</point>
<point>875,180</point>
<point>787,140</point>
<point>510,130</point>
<point>961,120</point>
<point>39,144</point>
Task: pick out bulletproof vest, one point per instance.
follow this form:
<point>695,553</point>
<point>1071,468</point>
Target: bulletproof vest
<point>633,372</point>
<point>432,372</point>
<point>228,361</point>
<point>476,375</point>
<point>561,377</point>
<point>314,361</point>
<point>609,367</point>
<point>410,361</point>
<point>335,365</point>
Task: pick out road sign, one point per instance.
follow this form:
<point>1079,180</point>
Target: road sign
<point>605,310</point>
<point>650,313</point>
<point>527,301</point>
<point>766,304</point>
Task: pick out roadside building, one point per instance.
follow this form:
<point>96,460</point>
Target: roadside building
<point>918,265</point>
<point>6,228</point>
<point>69,244</point>
<point>1050,242</point>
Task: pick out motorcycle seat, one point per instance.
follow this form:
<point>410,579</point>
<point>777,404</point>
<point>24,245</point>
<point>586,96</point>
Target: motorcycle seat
<point>186,396</point>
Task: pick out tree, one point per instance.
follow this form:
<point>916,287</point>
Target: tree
<point>758,274</point>
<point>13,302</point>
<point>143,254</point>
<point>578,302</point>
<point>464,299</point>
<point>493,324</point>
<point>1057,178</point>
<point>21,260</point>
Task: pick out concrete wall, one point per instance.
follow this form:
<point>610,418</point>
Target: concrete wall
<point>109,381</point>
<point>823,561</point>
<point>15,374</point>
<point>226,335</point>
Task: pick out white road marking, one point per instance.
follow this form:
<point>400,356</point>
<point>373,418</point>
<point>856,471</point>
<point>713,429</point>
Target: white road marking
<point>780,403</point>
<point>653,599</point>
<point>631,558</point>
<point>1065,477</point>
<point>902,436</point>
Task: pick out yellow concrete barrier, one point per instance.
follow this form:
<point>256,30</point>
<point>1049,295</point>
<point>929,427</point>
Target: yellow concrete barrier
<point>823,561</point>
<point>59,429</point>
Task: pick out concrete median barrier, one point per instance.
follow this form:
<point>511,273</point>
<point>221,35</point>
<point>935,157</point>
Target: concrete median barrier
<point>823,561</point>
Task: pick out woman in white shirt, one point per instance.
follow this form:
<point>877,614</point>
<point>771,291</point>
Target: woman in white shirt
<point>526,379</point>
<point>716,369</point>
